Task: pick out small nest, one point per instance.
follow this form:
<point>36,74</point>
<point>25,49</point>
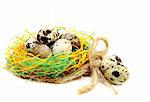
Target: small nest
<point>28,66</point>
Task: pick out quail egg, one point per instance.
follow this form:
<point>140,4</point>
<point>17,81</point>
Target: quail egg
<point>48,36</point>
<point>113,70</point>
<point>75,41</point>
<point>62,46</point>
<point>30,44</point>
<point>42,50</point>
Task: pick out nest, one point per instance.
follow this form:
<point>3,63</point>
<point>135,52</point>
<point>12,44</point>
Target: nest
<point>61,67</point>
<point>29,66</point>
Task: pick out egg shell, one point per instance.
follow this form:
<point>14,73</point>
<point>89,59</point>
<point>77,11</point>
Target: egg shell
<point>62,46</point>
<point>48,36</point>
<point>117,76</point>
<point>114,70</point>
<point>75,41</point>
<point>43,50</point>
<point>30,44</point>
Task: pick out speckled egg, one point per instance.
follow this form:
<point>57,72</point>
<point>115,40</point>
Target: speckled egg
<point>48,36</point>
<point>113,70</point>
<point>75,41</point>
<point>62,46</point>
<point>42,50</point>
<point>30,44</point>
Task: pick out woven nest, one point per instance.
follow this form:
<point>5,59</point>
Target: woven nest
<point>29,66</point>
<point>66,66</point>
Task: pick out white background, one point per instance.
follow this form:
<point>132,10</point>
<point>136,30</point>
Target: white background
<point>126,24</point>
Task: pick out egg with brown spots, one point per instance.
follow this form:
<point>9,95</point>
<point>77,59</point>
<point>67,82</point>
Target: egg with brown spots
<point>75,41</point>
<point>114,70</point>
<point>62,46</point>
<point>42,50</point>
<point>30,44</point>
<point>48,36</point>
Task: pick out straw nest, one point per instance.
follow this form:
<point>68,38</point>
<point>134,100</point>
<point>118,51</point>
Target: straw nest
<point>29,66</point>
